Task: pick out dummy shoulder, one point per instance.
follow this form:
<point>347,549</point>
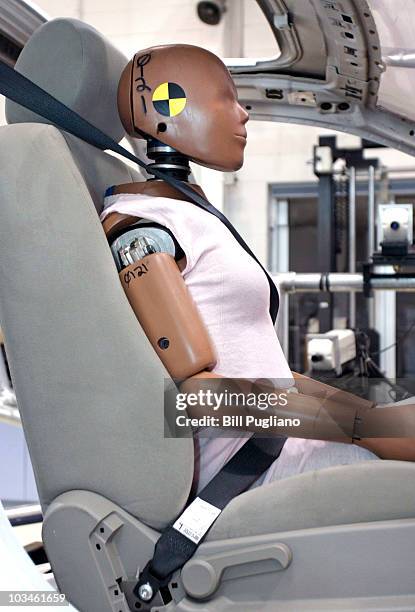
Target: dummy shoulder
<point>141,239</point>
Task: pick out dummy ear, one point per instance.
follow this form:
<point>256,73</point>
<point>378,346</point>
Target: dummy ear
<point>124,101</point>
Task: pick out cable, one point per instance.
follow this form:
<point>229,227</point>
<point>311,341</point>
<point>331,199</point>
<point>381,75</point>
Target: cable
<point>402,338</point>
<point>369,369</point>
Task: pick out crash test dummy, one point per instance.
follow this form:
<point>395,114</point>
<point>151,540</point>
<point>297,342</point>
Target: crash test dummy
<point>202,300</point>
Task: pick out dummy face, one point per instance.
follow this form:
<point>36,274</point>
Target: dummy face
<point>185,97</point>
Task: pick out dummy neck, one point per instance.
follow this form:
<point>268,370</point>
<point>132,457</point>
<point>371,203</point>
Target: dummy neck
<point>168,160</point>
<point>171,162</point>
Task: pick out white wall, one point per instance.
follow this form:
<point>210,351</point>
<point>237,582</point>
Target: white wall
<point>136,24</point>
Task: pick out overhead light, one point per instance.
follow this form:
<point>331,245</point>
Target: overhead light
<point>211,11</point>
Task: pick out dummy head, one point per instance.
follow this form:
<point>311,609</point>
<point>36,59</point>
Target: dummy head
<point>184,96</point>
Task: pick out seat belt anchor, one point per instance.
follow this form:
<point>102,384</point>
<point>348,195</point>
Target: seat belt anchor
<point>148,584</point>
<point>145,592</point>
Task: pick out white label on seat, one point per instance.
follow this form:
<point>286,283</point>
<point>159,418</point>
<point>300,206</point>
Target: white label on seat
<point>197,519</point>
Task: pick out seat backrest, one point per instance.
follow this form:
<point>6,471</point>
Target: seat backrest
<point>88,383</point>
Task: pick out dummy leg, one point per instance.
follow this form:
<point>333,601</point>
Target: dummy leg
<point>299,456</point>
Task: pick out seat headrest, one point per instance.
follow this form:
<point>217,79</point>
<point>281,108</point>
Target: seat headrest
<point>73,62</point>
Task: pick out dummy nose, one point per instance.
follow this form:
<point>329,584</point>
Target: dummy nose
<point>244,115</point>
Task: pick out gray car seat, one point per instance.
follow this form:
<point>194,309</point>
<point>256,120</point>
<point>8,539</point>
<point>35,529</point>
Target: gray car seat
<point>90,392</point>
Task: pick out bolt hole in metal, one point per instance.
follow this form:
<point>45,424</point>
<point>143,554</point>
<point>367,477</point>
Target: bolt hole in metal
<point>98,546</point>
<point>161,127</point>
<point>248,107</point>
<point>343,106</point>
<point>412,133</point>
<point>326,106</point>
<point>102,529</point>
<point>274,94</point>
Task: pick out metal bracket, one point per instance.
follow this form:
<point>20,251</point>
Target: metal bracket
<point>282,22</point>
<point>284,30</point>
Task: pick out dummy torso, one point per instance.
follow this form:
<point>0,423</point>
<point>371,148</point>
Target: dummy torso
<point>217,273</point>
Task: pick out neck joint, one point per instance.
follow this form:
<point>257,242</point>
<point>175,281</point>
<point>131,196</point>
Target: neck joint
<point>168,160</point>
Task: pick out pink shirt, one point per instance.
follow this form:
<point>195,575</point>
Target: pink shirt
<point>232,295</point>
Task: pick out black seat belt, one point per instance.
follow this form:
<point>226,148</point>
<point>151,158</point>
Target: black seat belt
<point>21,90</point>
<point>178,542</point>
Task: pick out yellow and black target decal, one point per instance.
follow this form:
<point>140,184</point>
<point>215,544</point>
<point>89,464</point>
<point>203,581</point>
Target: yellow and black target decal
<point>169,99</point>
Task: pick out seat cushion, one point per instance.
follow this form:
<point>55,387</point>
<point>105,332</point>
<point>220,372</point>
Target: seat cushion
<point>369,491</point>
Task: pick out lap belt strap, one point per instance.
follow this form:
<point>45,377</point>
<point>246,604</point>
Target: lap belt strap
<point>179,541</point>
<point>21,90</point>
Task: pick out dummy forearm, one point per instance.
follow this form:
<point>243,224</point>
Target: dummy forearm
<point>331,415</point>
<point>323,417</point>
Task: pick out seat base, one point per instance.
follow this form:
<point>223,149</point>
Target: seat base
<point>96,549</point>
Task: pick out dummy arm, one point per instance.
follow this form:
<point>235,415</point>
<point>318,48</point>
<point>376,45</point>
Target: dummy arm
<point>324,412</point>
<point>166,311</point>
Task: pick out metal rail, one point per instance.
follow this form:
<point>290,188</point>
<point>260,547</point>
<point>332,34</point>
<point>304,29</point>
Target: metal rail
<point>371,233</point>
<point>291,282</point>
<point>352,242</point>
<point>24,515</point>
